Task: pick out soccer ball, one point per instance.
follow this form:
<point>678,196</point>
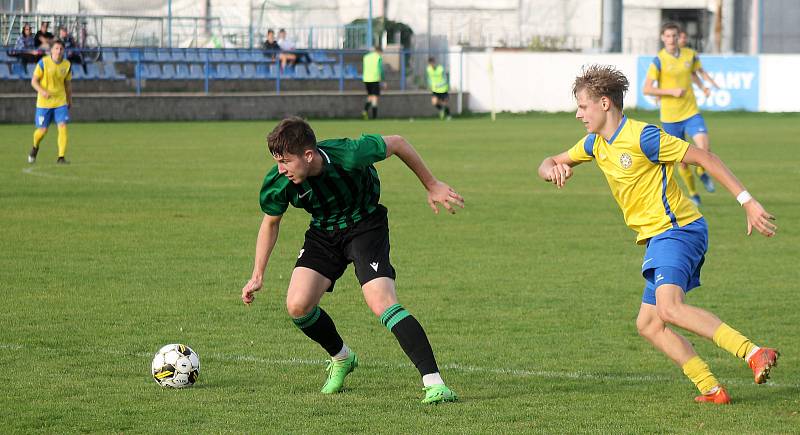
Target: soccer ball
<point>176,366</point>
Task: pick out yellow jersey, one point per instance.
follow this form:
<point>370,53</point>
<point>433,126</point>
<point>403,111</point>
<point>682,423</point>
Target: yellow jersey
<point>638,161</point>
<point>52,77</point>
<point>676,72</point>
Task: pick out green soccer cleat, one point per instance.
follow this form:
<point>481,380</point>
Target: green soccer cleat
<point>436,394</point>
<point>337,370</point>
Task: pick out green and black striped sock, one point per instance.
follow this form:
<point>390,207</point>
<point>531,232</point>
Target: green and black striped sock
<point>318,326</point>
<point>412,338</point>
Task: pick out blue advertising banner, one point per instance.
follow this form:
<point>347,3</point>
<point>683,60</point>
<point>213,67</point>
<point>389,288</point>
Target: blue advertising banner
<point>737,77</point>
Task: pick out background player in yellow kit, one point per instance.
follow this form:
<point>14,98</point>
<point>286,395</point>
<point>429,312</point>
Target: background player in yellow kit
<point>51,79</point>
<point>675,68</point>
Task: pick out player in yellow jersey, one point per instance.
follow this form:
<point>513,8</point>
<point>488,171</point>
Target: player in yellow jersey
<point>675,68</point>
<point>51,79</point>
<point>637,160</point>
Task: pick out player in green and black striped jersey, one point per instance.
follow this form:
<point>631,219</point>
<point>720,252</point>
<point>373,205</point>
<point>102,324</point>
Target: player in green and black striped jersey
<point>336,182</point>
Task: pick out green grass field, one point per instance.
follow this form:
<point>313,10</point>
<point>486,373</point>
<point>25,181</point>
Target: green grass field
<point>529,295</point>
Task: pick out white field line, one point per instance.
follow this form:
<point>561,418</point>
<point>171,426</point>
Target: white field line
<point>30,171</point>
<point>36,173</point>
<point>506,371</point>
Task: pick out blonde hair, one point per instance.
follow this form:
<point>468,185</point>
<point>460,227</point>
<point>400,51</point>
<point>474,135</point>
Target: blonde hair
<point>602,81</point>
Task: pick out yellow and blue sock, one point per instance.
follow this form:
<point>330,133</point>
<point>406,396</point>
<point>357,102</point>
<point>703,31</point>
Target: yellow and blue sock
<point>38,135</point>
<point>62,140</point>
<point>733,341</point>
<point>697,370</point>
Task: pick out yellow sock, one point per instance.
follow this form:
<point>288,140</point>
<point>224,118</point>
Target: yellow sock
<point>688,179</point>
<point>38,135</point>
<point>62,140</point>
<point>697,370</point>
<point>733,341</point>
<point>699,171</point>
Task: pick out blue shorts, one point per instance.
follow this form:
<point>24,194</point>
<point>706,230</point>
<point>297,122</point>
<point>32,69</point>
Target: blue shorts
<point>45,116</point>
<point>686,128</point>
<point>675,257</point>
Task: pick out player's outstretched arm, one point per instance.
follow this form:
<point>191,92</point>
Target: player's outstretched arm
<point>557,169</point>
<point>757,217</point>
<point>68,91</point>
<point>438,191</point>
<point>38,86</point>
<point>707,77</point>
<point>699,82</point>
<point>267,236</point>
<point>649,89</point>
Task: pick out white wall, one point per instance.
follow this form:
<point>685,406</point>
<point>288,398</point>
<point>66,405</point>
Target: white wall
<point>524,81</point>
<point>778,83</point>
<point>529,81</point>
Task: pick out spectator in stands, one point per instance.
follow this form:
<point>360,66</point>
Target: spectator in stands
<point>270,46</point>
<point>73,53</point>
<point>25,48</point>
<point>43,37</point>
<point>289,53</point>
<point>287,47</point>
<point>372,76</point>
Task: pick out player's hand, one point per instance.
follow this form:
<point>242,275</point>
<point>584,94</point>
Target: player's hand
<point>559,174</point>
<point>251,287</point>
<point>385,86</point>
<point>707,92</point>
<point>678,92</point>
<point>441,193</point>
<point>759,219</point>
<point>44,94</point>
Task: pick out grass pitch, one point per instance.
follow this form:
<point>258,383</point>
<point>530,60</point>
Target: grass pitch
<point>529,295</point>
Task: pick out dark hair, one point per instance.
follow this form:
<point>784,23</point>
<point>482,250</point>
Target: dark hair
<point>670,25</point>
<point>431,59</point>
<point>281,30</point>
<point>293,136</point>
<point>57,41</point>
<point>602,81</point>
<point>270,31</point>
<point>26,26</point>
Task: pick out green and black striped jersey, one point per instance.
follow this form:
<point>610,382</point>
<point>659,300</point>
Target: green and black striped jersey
<point>347,190</point>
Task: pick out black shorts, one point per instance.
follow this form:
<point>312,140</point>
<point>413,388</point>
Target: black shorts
<point>373,88</point>
<point>442,96</point>
<point>365,244</point>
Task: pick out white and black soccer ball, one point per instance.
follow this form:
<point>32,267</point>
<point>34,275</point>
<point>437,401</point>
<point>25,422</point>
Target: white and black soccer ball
<point>176,366</point>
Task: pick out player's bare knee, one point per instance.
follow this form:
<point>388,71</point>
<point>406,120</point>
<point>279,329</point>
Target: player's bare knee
<point>669,312</point>
<point>647,326</point>
<point>297,309</point>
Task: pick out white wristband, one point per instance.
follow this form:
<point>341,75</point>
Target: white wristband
<point>743,197</point>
